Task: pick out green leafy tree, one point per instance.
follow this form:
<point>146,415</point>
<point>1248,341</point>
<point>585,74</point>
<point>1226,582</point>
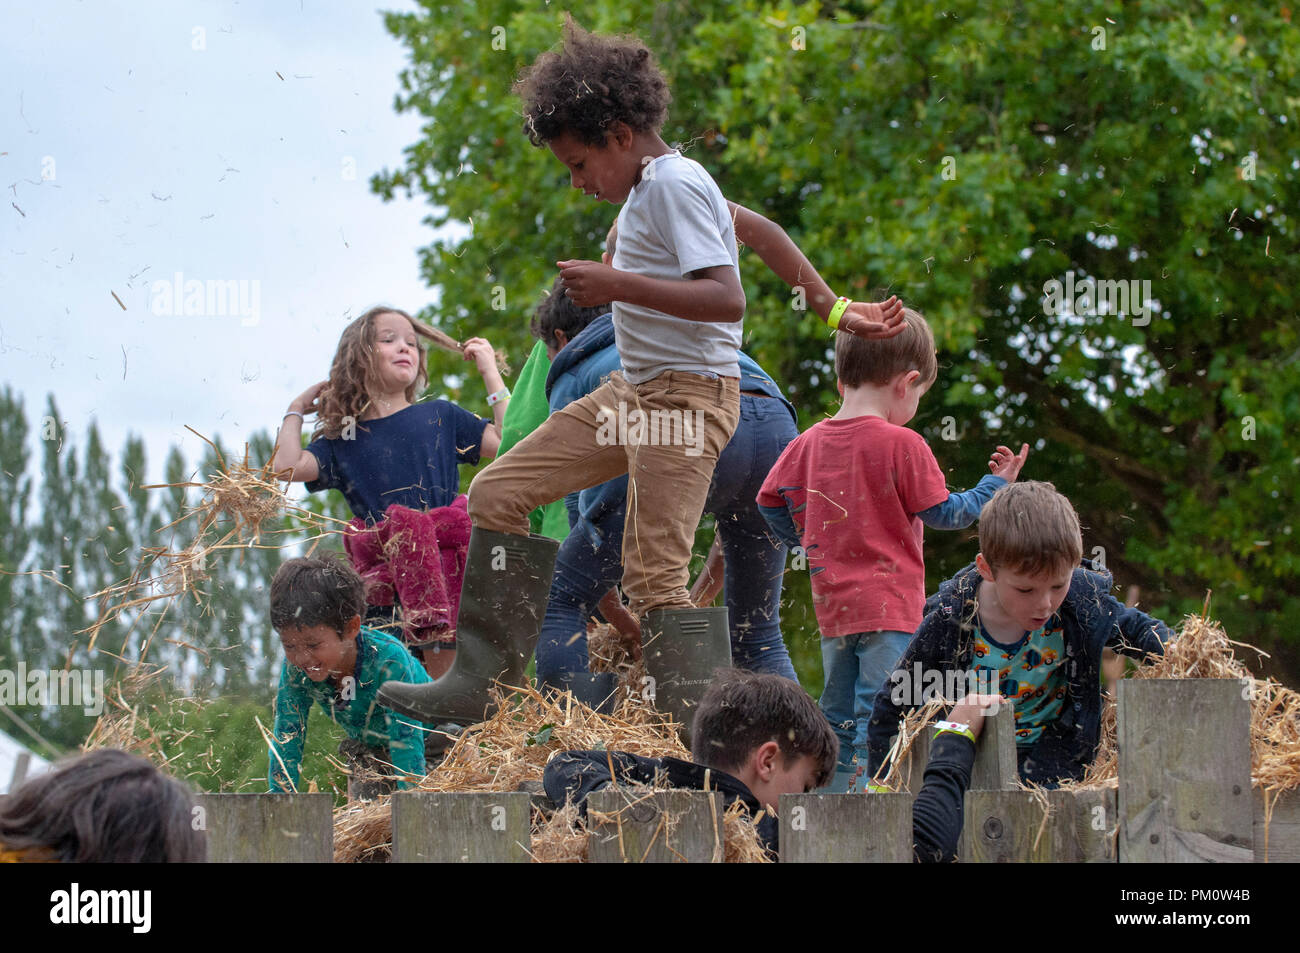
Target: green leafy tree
<point>965,157</point>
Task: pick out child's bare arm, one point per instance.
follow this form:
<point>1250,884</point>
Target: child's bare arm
<point>712,295</point>
<point>290,461</point>
<point>482,354</point>
<point>787,262</point>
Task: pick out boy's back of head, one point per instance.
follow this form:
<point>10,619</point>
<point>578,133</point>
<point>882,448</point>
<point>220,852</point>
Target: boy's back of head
<point>1030,528</point>
<point>557,312</point>
<point>742,710</point>
<point>589,84</point>
<point>859,361</point>
<point>316,590</point>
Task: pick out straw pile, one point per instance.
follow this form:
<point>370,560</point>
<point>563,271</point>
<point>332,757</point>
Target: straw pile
<point>235,505</point>
<point>607,651</point>
<point>1203,650</point>
<point>894,769</point>
<point>509,751</point>
<point>142,717</point>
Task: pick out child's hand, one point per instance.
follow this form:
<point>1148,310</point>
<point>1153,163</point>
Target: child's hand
<point>868,320</point>
<point>589,283</point>
<point>481,353</point>
<point>1006,464</point>
<point>305,403</point>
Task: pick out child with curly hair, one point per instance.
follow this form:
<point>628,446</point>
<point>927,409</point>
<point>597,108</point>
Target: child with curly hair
<point>396,462</point>
<point>598,104</point>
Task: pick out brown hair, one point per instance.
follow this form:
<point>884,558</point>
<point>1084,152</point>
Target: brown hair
<point>589,84</point>
<point>105,806</point>
<point>352,374</point>
<point>1030,528</point>
<point>860,361</point>
<point>742,710</point>
<point>316,590</point>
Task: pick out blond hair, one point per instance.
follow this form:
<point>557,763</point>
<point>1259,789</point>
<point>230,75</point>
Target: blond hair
<point>860,361</point>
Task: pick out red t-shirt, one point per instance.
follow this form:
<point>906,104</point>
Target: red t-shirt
<point>853,488</point>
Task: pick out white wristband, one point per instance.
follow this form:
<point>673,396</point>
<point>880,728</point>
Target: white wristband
<point>502,394</point>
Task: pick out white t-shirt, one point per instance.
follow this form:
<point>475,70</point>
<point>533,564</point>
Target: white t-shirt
<point>674,222</point>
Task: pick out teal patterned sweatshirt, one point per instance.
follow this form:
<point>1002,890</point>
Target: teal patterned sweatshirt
<point>351,704</point>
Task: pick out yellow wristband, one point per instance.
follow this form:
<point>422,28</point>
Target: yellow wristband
<point>837,311</point>
<point>948,728</point>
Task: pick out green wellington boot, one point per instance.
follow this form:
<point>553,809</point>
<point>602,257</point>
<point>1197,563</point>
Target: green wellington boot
<point>502,604</point>
<point>682,648</point>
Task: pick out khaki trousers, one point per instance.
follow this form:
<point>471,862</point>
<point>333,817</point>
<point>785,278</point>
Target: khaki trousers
<point>666,434</point>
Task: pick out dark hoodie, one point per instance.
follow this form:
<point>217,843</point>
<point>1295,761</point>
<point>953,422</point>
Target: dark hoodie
<point>1092,619</point>
<point>936,813</point>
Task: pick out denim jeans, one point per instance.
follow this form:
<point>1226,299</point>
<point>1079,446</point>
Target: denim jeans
<point>855,667</point>
<point>588,561</point>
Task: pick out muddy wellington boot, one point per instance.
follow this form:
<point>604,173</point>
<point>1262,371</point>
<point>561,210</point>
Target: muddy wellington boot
<point>682,648</point>
<point>502,604</point>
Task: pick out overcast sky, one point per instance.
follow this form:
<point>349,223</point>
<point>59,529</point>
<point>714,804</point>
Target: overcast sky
<point>145,140</point>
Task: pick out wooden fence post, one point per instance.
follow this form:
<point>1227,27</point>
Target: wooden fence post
<point>465,827</point>
<point>267,828</point>
<point>1184,771</point>
<point>846,828</point>
<point>637,825</point>
<point>1280,842</point>
<point>995,766</point>
<point>1012,827</point>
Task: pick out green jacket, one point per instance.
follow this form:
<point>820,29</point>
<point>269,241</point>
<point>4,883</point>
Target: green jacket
<point>353,705</point>
<point>528,408</point>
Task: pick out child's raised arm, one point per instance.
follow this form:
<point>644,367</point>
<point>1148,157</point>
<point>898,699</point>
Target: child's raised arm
<point>290,461</point>
<point>484,357</point>
<point>779,252</point>
<point>962,509</point>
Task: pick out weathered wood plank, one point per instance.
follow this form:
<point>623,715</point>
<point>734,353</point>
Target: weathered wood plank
<point>634,825</point>
<point>466,827</point>
<point>995,753</point>
<point>1012,827</point>
<point>846,828</point>
<point>267,828</point>
<point>1184,771</point>
<point>1279,841</point>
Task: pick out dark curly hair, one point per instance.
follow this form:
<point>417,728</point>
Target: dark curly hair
<point>592,82</point>
<point>557,312</point>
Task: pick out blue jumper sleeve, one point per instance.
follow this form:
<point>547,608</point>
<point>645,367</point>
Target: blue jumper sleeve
<point>782,524</point>
<point>962,509</point>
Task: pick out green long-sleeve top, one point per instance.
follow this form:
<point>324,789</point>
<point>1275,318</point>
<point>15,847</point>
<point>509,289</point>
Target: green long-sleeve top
<point>353,705</point>
<point>526,411</point>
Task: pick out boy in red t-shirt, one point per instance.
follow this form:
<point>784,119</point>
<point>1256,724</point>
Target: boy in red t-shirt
<point>853,491</point>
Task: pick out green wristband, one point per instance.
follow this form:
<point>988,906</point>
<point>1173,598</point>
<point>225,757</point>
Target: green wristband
<point>965,733</point>
<point>837,311</point>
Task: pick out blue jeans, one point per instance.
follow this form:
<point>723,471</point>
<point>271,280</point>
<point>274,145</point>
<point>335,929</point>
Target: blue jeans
<point>589,561</point>
<point>855,667</point>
